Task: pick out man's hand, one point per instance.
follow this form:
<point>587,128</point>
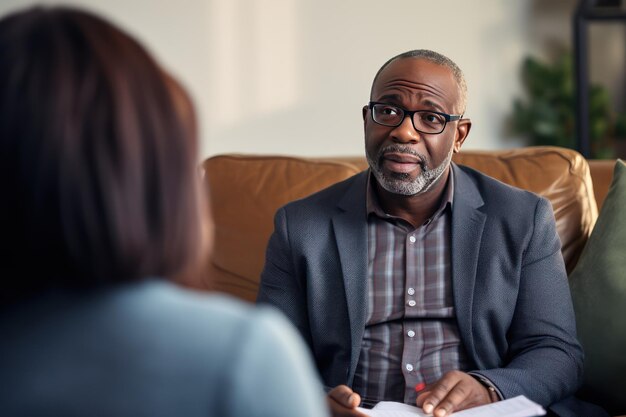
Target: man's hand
<point>343,402</point>
<point>455,391</point>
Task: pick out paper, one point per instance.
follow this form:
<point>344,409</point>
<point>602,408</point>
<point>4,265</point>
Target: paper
<point>519,406</point>
<point>393,409</point>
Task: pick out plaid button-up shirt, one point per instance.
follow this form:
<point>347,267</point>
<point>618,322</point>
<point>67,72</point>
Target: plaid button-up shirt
<point>411,335</point>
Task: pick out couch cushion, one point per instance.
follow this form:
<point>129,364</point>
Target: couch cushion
<point>245,191</point>
<point>599,293</point>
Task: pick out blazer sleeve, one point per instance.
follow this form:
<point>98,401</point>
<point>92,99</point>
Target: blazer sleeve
<point>544,357</point>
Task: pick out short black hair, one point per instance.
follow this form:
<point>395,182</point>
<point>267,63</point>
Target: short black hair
<point>435,58</point>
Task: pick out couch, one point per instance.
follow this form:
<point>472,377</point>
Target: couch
<point>245,191</point>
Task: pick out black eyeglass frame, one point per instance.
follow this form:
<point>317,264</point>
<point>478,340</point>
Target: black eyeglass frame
<point>410,113</point>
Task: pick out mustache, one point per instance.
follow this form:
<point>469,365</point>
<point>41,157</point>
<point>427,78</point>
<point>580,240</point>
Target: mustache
<point>402,149</point>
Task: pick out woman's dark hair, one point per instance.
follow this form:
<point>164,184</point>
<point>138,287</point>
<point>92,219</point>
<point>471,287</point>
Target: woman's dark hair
<point>98,154</point>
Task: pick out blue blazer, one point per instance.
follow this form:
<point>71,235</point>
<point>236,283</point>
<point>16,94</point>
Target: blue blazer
<point>510,288</point>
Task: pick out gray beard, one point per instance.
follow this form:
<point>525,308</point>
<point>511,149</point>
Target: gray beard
<point>401,183</point>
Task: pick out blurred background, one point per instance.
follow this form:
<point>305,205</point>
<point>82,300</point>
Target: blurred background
<point>291,77</point>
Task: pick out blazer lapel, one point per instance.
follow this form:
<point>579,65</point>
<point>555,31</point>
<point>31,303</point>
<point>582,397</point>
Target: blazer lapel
<point>350,227</point>
<point>467,229</point>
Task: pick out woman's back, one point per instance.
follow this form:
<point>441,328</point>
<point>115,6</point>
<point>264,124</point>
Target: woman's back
<point>151,349</point>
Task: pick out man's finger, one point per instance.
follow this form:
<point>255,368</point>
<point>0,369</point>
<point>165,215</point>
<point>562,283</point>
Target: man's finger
<point>343,395</point>
<point>439,391</point>
<point>456,391</point>
<point>451,402</point>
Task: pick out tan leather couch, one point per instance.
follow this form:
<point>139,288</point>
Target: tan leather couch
<point>246,190</point>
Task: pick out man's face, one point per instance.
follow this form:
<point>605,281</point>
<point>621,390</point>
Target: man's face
<point>403,160</point>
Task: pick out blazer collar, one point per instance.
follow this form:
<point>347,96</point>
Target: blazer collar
<point>350,227</point>
<point>468,222</point>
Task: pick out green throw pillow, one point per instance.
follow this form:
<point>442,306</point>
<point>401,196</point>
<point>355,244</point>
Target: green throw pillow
<point>598,286</point>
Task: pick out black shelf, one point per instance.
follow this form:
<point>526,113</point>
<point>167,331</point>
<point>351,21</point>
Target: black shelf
<point>588,11</point>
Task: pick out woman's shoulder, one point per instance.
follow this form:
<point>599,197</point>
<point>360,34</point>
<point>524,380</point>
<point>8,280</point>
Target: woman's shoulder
<point>211,348</point>
<point>212,318</point>
<point>171,298</point>
<point>256,344</point>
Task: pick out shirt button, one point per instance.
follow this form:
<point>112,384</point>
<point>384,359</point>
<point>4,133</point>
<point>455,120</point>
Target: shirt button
<point>412,239</point>
<point>410,333</point>
<point>411,291</point>
<point>411,303</point>
<point>409,367</point>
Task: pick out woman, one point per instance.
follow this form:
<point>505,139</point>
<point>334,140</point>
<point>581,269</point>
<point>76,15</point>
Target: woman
<point>101,200</point>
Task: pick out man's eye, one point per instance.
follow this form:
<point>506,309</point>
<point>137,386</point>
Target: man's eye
<point>389,111</point>
<point>432,118</point>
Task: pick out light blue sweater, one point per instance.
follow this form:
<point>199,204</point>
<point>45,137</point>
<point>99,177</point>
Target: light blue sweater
<point>153,349</point>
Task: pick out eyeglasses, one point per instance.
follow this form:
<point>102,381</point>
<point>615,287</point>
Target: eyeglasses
<point>424,121</point>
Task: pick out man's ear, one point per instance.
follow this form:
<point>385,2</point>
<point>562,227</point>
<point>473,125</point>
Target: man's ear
<point>462,130</point>
<point>365,109</point>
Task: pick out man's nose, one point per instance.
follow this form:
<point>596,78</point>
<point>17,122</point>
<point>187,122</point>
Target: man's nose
<point>405,131</point>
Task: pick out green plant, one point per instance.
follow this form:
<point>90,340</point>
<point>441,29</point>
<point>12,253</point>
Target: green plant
<point>547,115</point>
<point>620,127</point>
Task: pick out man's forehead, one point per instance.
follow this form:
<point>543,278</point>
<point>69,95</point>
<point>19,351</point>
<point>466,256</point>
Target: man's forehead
<point>414,68</point>
<point>416,72</point>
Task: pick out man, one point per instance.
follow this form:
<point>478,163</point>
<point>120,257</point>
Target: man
<point>421,275</point>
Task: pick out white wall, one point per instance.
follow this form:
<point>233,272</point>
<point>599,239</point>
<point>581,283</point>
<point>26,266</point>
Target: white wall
<point>290,77</point>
